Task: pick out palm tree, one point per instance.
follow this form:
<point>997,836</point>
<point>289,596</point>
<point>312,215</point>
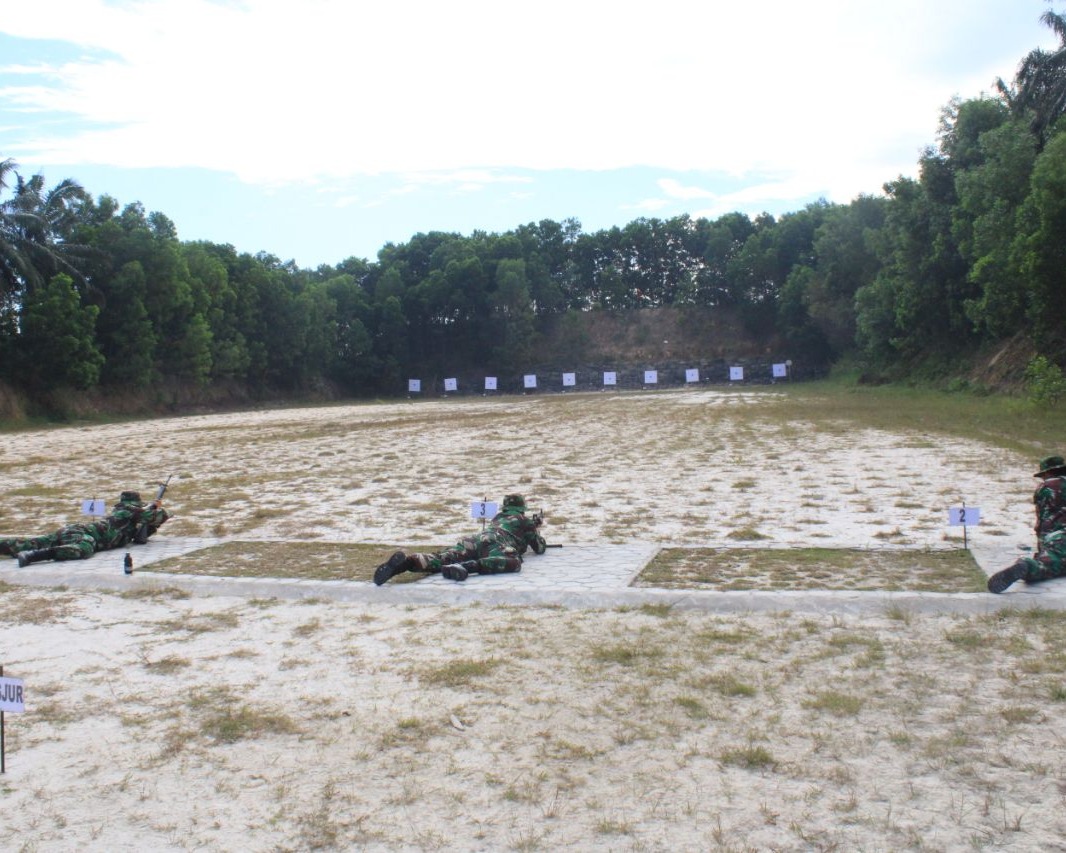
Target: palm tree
<point>1039,88</point>
<point>36,225</point>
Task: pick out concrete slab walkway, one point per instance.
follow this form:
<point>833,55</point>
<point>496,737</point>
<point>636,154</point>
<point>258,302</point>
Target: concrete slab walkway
<point>592,576</point>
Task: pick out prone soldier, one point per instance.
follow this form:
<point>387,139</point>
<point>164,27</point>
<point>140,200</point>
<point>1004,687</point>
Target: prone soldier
<point>495,550</point>
<point>81,540</point>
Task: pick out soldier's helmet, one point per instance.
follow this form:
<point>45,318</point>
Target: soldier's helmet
<point>1051,465</point>
<point>129,497</point>
<point>514,502</point>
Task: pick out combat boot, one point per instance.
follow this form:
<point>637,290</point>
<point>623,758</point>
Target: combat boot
<point>456,571</point>
<point>27,557</point>
<point>397,564</point>
<point>1001,580</point>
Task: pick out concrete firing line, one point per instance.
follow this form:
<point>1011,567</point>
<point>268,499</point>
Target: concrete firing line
<point>579,577</point>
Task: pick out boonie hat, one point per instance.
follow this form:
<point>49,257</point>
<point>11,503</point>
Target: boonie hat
<point>1049,464</point>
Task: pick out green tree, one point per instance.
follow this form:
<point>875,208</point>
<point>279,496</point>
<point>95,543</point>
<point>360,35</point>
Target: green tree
<point>36,224</point>
<point>1038,93</point>
<point>125,333</point>
<point>190,358</point>
<point>1042,246</point>
<point>512,318</point>
<point>991,196</point>
<point>57,340</point>
<point>845,260</point>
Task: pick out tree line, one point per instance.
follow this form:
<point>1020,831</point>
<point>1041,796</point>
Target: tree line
<point>96,295</point>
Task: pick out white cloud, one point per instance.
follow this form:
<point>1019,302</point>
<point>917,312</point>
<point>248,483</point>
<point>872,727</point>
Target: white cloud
<point>830,95</point>
<point>674,189</point>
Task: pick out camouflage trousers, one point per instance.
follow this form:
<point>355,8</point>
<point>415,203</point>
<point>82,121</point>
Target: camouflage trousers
<point>491,557</point>
<point>73,542</point>
<point>1050,561</point>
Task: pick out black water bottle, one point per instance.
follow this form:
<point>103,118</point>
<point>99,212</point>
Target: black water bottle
<point>127,564</point>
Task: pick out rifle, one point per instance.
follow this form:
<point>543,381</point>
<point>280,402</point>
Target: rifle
<point>142,532</point>
<point>538,520</point>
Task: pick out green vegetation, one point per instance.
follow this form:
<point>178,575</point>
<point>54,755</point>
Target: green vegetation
<point>813,568</point>
<point>458,673</point>
<point>305,560</point>
<point>910,283</point>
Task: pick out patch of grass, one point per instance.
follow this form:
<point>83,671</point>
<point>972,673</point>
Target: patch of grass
<point>201,623</point>
<point>148,592</point>
<point>746,534</point>
<point>692,706</point>
<point>813,568</point>
<point>225,721</point>
<point>837,704</point>
<point>231,725</point>
<point>303,560</point>
<point>32,609</point>
<point>609,826</point>
<point>660,610</point>
<point>750,757</point>
<point>626,653</point>
<point>55,712</point>
<point>965,638</point>
<point>458,673</point>
<point>1019,714</point>
<point>166,665</point>
<point>308,628</point>
<point>729,685</point>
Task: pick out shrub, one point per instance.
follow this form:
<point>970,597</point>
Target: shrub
<point>1044,382</point>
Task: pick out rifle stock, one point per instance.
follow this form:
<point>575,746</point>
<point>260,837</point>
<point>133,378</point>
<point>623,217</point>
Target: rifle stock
<point>142,532</point>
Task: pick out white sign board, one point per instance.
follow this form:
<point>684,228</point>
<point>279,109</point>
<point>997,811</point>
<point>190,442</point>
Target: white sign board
<point>569,380</point>
<point>736,374</point>
<point>964,516</point>
<point>451,385</point>
<point>414,386</point>
<point>93,507</point>
<point>490,383</point>
<point>610,377</point>
<point>11,695</point>
<point>651,377</point>
<point>780,371</point>
<point>692,374</point>
<point>530,381</point>
<point>483,509</point>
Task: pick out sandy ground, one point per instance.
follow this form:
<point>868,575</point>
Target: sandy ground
<point>176,723</point>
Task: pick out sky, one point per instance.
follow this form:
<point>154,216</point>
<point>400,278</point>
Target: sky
<point>319,130</point>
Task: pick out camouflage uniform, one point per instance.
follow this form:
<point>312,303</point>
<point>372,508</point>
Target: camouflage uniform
<point>82,540</point>
<point>1050,502</point>
<point>495,550</point>
<point>1049,561</point>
